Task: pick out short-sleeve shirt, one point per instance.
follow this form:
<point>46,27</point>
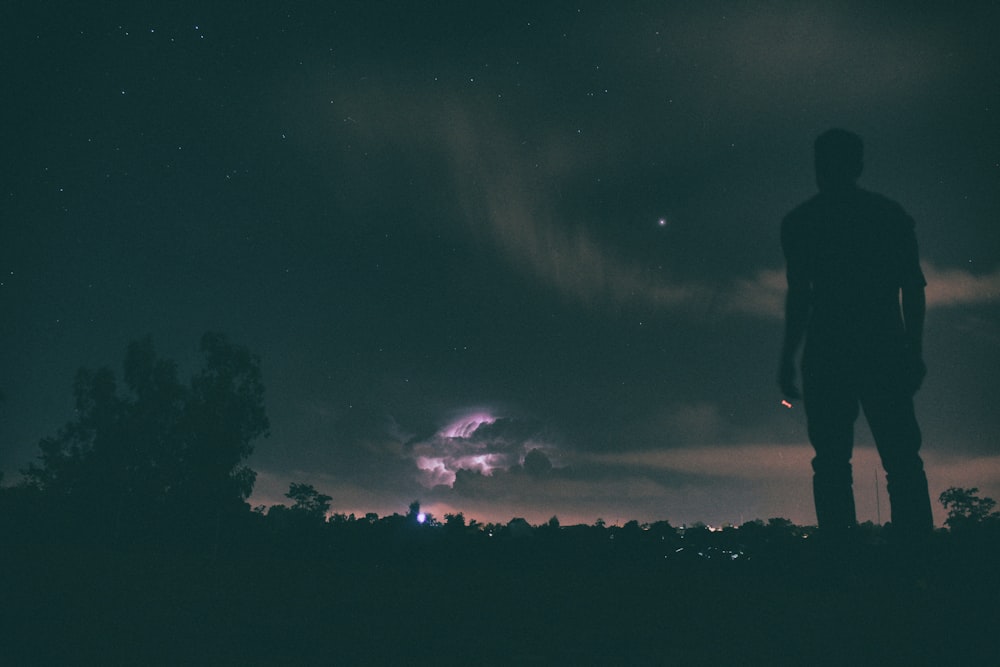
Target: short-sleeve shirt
<point>854,250</point>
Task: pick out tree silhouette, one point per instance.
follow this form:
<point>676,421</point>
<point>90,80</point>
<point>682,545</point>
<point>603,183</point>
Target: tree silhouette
<point>156,447</point>
<point>308,500</point>
<point>414,515</point>
<point>454,523</point>
<point>966,509</point>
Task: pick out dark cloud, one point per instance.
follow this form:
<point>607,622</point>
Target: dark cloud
<point>536,463</point>
<point>508,429</point>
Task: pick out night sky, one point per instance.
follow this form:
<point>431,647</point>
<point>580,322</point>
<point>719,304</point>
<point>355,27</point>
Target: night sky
<point>459,233</point>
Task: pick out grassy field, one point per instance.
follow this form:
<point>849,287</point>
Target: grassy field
<point>479,602</point>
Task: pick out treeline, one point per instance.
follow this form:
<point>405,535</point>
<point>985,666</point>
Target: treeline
<point>306,529</point>
<point>151,461</point>
<point>971,520</point>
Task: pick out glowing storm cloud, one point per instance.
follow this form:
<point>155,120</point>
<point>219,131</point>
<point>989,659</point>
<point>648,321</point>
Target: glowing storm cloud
<point>435,471</point>
<point>484,463</point>
<point>454,449</point>
<point>465,426</point>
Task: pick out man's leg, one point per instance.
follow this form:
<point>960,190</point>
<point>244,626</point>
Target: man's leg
<point>831,411</point>
<point>897,436</point>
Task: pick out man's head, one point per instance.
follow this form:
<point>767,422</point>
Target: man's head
<point>839,159</point>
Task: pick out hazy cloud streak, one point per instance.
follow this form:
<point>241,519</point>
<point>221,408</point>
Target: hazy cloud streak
<point>764,294</point>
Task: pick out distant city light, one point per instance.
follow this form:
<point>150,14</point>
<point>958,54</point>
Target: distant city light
<point>421,517</point>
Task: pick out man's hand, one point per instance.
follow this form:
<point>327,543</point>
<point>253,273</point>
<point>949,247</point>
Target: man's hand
<point>787,374</point>
<point>797,307</point>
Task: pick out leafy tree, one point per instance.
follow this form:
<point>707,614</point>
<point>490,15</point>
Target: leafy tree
<point>308,500</point>
<point>454,523</point>
<point>630,533</point>
<point>662,531</point>
<point>155,445</point>
<point>966,509</point>
<point>225,415</point>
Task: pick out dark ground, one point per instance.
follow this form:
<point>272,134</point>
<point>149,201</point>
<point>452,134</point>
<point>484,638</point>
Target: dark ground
<point>483,601</point>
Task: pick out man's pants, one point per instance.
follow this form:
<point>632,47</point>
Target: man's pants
<point>832,395</point>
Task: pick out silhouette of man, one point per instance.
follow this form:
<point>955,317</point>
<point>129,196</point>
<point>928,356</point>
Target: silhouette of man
<point>856,297</point>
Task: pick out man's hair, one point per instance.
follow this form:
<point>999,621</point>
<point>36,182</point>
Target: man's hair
<point>839,155</point>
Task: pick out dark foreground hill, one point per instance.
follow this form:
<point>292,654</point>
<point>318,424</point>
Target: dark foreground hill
<point>555,598</point>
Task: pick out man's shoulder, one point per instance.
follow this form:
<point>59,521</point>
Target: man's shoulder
<point>860,201</point>
<point>805,211</point>
<point>887,211</point>
<point>879,200</point>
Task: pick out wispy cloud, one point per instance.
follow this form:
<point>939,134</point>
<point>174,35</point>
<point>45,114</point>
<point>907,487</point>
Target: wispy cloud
<point>957,287</point>
<point>505,191</point>
<point>507,194</point>
<point>504,183</point>
<point>786,52</point>
<point>763,295</point>
<point>756,461</point>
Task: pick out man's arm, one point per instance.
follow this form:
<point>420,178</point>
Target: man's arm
<point>914,312</point>
<point>914,307</point>
<point>798,302</point>
<point>914,304</point>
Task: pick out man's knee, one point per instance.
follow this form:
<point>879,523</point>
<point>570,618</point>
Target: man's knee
<point>904,466</point>
<point>832,470</point>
